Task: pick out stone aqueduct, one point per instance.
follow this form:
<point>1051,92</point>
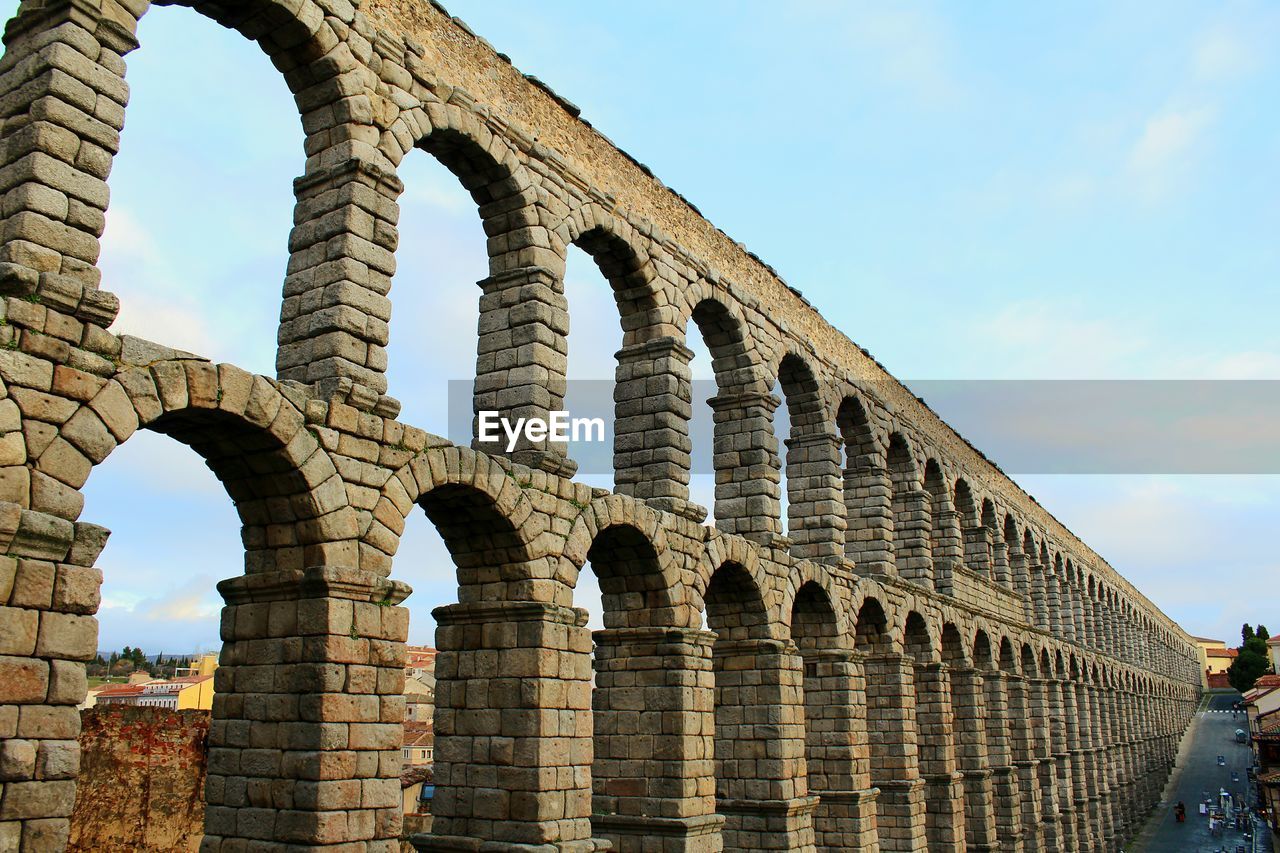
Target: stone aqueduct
<point>927,661</point>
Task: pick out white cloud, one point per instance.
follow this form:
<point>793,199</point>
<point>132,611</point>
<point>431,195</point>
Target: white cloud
<point>1045,339</point>
<point>1163,156</point>
<point>1227,51</point>
<point>1247,364</point>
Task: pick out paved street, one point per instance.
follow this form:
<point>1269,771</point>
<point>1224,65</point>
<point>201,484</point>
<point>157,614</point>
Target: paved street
<point>1202,778</point>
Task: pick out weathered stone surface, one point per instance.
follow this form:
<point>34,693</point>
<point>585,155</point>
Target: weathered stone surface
<point>926,658</point>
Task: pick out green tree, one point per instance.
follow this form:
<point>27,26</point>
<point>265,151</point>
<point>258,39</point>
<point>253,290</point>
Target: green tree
<point>1263,634</point>
<point>1252,660</point>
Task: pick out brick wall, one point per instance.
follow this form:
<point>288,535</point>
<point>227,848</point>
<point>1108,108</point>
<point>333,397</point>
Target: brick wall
<point>141,783</point>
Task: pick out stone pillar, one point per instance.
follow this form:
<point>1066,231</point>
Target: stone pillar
<point>1078,793</point>
<point>513,747</point>
<point>653,772</point>
<point>63,70</point>
<point>868,503</point>
<point>1060,749</point>
<point>304,747</point>
<point>334,321</point>
<point>1025,761</point>
<point>975,762</point>
<point>1068,609</point>
<point>1089,815</point>
<point>944,788</point>
<point>1079,631</point>
<point>836,751</point>
<point>651,444</point>
<point>1020,569</point>
<point>891,728</point>
<point>521,360</point>
<point>978,551</point>
<point>1129,735</point>
<point>1108,766</point>
<point>746,463</point>
<point>1046,768</point>
<point>1090,622</point>
<point>1039,593</point>
<point>1004,776</point>
<point>815,506</point>
<point>1053,602</point>
<point>948,544</point>
<point>911,528</point>
<point>48,593</point>
<point>761,787</point>
<point>1003,575</point>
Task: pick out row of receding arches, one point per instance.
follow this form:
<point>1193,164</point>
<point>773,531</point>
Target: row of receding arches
<point>858,486</point>
<point>806,707</point>
<point>778,725</point>
<point>845,716</point>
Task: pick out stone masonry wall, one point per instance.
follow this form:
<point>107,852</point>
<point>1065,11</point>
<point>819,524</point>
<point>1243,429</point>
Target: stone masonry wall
<point>929,659</point>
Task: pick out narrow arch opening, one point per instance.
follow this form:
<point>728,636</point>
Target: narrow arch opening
<point>190,136</point>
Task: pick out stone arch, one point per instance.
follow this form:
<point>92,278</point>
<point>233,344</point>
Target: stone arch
<point>953,649</point>
<point>248,433</point>
<point>302,561</point>
<point>809,574</point>
<point>867,493</point>
<point>983,658</point>
<point>745,451</point>
<point>626,543</point>
<point>645,309</point>
<point>871,630</point>
<point>1010,660</point>
<point>734,602</point>
<point>487,522</point>
<point>757,681</point>
<point>945,529</point>
<point>524,314</point>
<point>911,514</point>
<point>814,482</point>
<point>293,35</point>
<point>917,638</point>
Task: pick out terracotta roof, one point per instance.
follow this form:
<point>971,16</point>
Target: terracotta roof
<point>1267,681</point>
<point>1208,640</point>
<point>1222,653</point>
<point>1274,641</point>
<point>120,690</point>
<point>419,733</point>
<point>415,773</point>
<point>1270,778</point>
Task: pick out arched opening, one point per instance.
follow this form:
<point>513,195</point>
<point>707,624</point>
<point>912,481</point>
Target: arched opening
<point>867,504</point>
<point>180,144</point>
<point>912,548</point>
<point>745,458</point>
<point>439,259</point>
<point>997,552</point>
<point>834,719</point>
<point>945,539</point>
<point>757,682</point>
<point>812,482</point>
<point>280,483</point>
<point>645,402</point>
<point>652,691</point>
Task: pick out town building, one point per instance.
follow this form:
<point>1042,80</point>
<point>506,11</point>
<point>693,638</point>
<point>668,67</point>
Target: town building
<point>419,743</point>
<point>1263,706</point>
<point>1215,660</point>
<point>189,692</point>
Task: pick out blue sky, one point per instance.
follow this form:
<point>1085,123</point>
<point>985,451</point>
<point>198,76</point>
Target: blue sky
<point>971,191</point>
